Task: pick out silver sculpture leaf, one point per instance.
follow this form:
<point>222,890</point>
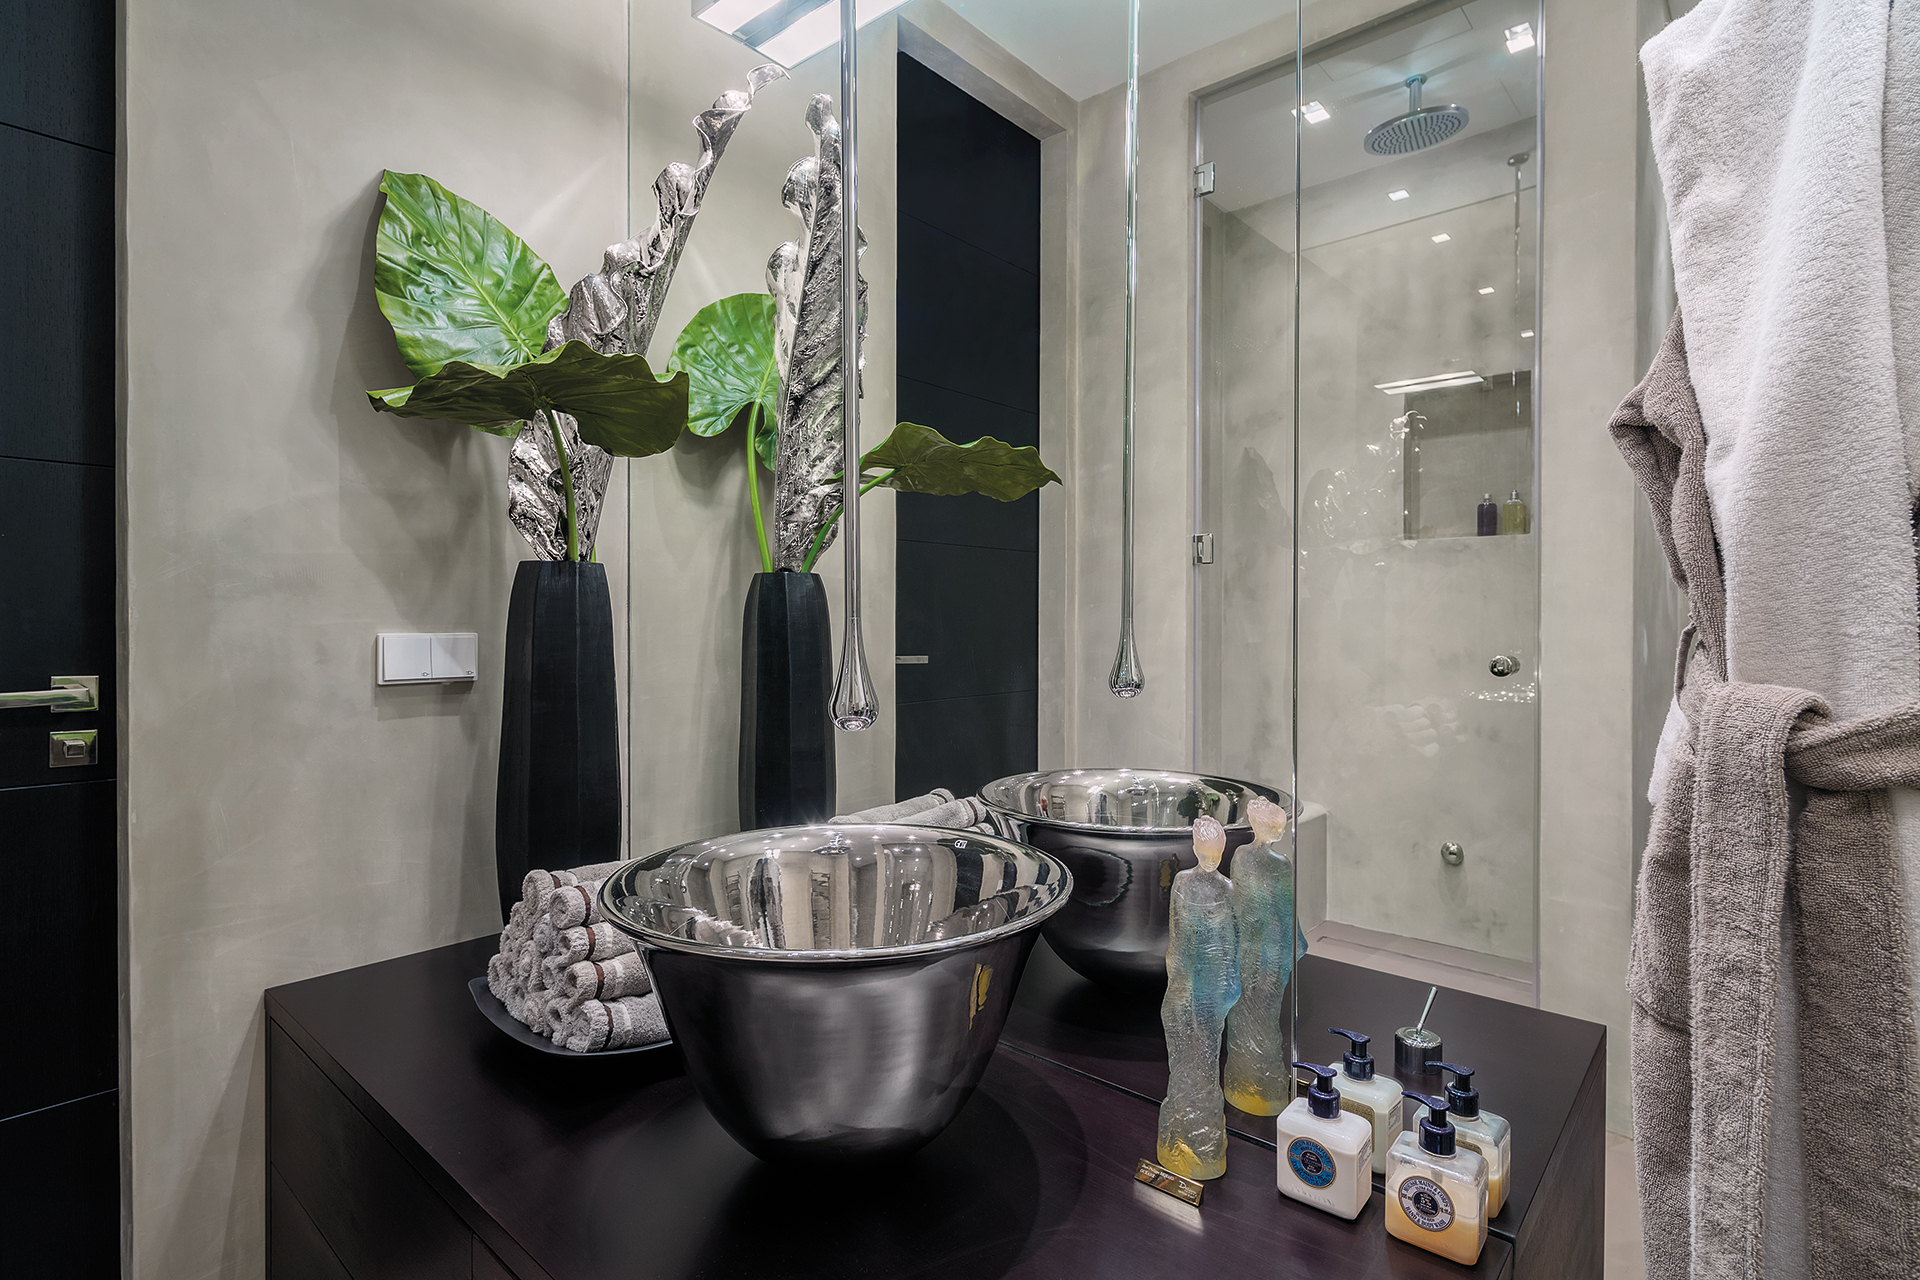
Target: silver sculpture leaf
<point>537,491</point>
<point>615,311</point>
<point>804,277</point>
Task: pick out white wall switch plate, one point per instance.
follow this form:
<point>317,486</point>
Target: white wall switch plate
<point>456,655</point>
<point>424,658</point>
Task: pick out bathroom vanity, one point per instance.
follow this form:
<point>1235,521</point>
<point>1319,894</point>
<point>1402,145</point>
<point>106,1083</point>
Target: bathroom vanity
<point>408,1137</point>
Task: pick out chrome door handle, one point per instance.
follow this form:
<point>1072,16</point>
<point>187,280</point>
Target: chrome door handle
<point>1503,666</point>
<point>68,693</point>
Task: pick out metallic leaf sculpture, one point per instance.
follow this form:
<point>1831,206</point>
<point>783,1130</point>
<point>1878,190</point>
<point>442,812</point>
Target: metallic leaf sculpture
<point>614,311</point>
<point>804,276</point>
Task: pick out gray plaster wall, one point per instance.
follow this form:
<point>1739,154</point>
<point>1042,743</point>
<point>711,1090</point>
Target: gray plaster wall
<point>283,816</point>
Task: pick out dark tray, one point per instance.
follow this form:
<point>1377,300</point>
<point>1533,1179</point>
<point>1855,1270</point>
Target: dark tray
<point>497,1014</point>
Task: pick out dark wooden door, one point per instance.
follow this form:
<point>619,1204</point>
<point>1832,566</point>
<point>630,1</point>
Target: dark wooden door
<point>967,610</point>
<point>59,1096</point>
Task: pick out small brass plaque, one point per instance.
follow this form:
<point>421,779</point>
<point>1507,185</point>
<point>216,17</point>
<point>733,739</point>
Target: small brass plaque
<point>1170,1182</point>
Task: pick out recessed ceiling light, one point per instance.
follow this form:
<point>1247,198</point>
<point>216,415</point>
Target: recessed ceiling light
<point>1396,195</point>
<point>1526,333</point>
<point>777,31</point>
<point>1442,238</point>
<point>1315,113</point>
<point>1520,37</point>
<point>1485,289</point>
<point>1431,382</point>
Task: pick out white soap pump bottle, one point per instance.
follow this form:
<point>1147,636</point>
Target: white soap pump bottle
<point>1373,1099</point>
<point>1326,1154</point>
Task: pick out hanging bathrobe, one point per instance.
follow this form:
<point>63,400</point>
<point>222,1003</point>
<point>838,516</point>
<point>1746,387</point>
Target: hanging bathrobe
<point>1777,436</point>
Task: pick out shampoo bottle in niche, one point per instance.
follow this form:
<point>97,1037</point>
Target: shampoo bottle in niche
<point>1487,517</point>
<point>1437,1192</point>
<point>1513,514</point>
<point>1259,1081</point>
<point>1373,1098</point>
<point>1203,981</point>
<point>1482,1131</point>
<point>1326,1154</point>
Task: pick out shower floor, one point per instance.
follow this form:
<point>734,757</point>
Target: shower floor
<point>1456,967</point>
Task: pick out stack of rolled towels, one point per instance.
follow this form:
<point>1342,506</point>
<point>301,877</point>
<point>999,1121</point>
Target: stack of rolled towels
<point>570,975</point>
<point>938,808</point>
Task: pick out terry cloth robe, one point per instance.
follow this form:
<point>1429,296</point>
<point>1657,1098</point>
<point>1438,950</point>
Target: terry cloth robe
<point>1733,868</point>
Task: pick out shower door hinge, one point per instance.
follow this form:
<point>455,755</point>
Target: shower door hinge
<point>1203,179</point>
<point>1203,548</point>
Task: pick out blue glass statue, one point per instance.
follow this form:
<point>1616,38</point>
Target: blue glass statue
<point>1259,1080</point>
<point>1203,981</point>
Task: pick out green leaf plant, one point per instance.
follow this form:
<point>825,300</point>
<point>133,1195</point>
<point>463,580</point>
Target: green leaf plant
<point>469,303</point>
<point>727,352</point>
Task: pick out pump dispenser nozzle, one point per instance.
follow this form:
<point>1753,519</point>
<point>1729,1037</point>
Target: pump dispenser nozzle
<point>1436,1134</point>
<point>1322,1098</point>
<point>1357,1061</point>
<point>1462,1097</point>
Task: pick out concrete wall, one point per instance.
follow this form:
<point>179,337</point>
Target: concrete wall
<point>1588,335</point>
<point>285,817</point>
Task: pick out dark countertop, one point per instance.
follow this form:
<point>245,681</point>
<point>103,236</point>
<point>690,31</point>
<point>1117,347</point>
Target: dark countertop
<point>571,1169</point>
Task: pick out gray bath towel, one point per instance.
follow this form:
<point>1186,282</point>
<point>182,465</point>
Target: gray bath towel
<point>1730,872</point>
<point>572,905</point>
<point>625,1023</point>
<point>900,811</point>
<point>584,942</point>
<point>598,980</point>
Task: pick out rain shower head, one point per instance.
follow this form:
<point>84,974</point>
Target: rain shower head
<point>1420,128</point>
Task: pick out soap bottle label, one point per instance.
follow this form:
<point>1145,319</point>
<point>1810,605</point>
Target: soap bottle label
<point>1361,1109</point>
<point>1426,1205</point>
<point>1310,1162</point>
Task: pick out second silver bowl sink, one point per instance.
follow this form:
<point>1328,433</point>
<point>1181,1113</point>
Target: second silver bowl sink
<point>837,991</point>
<point>1124,833</point>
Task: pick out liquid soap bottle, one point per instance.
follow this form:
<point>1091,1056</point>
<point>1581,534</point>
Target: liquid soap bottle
<point>1437,1193</point>
<point>1372,1098</point>
<point>1513,514</point>
<point>1258,1079</point>
<point>1203,982</point>
<point>1487,517</point>
<point>1481,1131</point>
<point>1326,1154</point>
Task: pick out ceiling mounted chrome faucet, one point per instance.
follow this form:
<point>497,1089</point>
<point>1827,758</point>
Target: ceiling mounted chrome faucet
<point>1420,128</point>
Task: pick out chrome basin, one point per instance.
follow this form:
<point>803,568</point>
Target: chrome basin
<point>1123,833</point>
<point>836,991</point>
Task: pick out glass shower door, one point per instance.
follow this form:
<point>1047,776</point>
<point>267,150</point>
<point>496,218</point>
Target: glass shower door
<point>1366,457</point>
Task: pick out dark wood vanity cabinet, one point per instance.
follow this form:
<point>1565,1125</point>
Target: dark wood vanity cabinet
<point>409,1138</point>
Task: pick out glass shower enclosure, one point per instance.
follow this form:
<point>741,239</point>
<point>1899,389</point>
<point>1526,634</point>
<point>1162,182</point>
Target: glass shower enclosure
<point>1365,254</point>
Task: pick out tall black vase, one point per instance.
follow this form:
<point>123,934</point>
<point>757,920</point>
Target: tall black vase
<point>558,803</point>
<point>786,691</point>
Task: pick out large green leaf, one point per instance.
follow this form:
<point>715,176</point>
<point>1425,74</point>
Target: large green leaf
<point>727,352</point>
<point>455,284</point>
<point>924,461</point>
<point>618,403</point>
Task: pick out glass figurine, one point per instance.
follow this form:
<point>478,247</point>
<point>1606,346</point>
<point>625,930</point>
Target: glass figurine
<point>1203,982</point>
<point>1259,1081</point>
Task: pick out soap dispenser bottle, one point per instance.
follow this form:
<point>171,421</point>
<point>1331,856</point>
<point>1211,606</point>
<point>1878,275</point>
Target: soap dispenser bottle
<point>1487,517</point>
<point>1437,1192</point>
<point>1483,1131</point>
<point>1513,514</point>
<point>1326,1154</point>
<point>1372,1098</point>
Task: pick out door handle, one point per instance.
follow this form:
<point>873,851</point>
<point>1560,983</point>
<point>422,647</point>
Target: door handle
<point>67,693</point>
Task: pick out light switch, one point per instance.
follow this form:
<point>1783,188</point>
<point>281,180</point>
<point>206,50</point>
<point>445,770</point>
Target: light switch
<point>456,655</point>
<point>424,658</point>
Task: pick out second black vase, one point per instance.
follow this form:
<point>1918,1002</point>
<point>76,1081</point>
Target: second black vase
<point>558,803</point>
<point>786,691</point>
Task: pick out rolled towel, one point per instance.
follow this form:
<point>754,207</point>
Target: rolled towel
<point>599,1025</point>
<point>600,980</point>
<point>962,814</point>
<point>538,886</point>
<point>500,977</point>
<point>584,942</point>
<point>574,905</point>
<point>898,812</point>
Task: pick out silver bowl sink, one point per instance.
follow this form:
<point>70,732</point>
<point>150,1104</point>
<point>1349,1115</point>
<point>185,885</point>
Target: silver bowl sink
<point>1124,834</point>
<point>836,991</point>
